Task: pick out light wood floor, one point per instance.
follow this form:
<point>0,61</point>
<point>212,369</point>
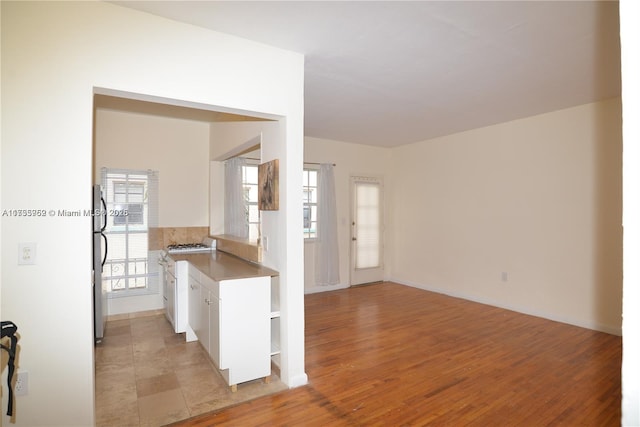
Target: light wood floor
<point>392,355</point>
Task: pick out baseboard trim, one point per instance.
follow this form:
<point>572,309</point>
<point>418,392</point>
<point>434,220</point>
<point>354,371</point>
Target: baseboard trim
<point>317,289</point>
<point>298,381</point>
<point>613,330</point>
<point>134,315</point>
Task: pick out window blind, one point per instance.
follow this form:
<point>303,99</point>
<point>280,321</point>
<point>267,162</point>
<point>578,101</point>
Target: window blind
<point>367,224</point>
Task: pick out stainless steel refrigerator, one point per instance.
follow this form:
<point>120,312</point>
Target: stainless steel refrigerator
<point>99,257</point>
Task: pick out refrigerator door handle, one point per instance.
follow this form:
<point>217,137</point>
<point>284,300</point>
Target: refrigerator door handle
<point>104,258</point>
<point>104,213</point>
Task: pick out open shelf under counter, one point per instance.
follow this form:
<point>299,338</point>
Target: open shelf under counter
<point>275,320</point>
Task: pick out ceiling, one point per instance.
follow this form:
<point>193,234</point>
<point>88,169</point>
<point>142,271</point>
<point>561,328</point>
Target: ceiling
<point>387,73</point>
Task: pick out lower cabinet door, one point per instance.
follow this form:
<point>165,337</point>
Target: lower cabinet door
<point>245,328</point>
<point>194,307</point>
<point>170,300</point>
<point>214,333</point>
<point>205,328</point>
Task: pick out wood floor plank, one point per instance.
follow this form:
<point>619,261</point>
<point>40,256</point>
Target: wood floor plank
<point>388,354</point>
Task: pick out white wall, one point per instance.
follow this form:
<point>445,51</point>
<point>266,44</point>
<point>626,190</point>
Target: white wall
<point>629,36</point>
<point>178,149</point>
<point>538,199</point>
<point>227,138</point>
<point>350,160</point>
<point>55,56</point>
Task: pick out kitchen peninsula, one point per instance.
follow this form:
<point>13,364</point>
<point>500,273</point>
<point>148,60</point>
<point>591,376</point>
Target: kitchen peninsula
<point>220,265</point>
<point>232,310</point>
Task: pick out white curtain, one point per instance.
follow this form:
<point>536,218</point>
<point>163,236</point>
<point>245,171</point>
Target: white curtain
<point>235,215</point>
<point>327,260</point>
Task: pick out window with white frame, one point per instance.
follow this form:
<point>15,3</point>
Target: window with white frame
<point>250,187</point>
<point>310,203</point>
<point>131,199</point>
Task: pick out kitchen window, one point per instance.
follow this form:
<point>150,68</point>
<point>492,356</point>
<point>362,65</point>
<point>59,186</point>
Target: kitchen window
<point>310,203</point>
<point>250,191</point>
<point>131,199</point>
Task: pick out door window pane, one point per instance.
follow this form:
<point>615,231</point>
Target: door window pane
<point>367,225</point>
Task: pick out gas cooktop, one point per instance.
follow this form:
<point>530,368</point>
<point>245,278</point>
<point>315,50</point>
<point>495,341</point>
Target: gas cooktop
<point>184,248</point>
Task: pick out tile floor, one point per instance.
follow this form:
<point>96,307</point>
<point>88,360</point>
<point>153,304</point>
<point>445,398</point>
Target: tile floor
<point>146,375</point>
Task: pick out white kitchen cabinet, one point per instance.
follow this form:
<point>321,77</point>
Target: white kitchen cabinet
<point>176,295</point>
<point>210,313</point>
<point>214,322</point>
<point>169,289</point>
<point>232,313</point>
<point>238,313</point>
<point>204,334</point>
<point>193,305</point>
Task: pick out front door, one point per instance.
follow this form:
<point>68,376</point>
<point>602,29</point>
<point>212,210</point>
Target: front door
<point>366,230</point>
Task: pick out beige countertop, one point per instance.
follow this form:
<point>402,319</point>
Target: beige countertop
<point>223,266</point>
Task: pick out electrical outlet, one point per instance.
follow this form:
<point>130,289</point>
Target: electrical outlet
<point>26,253</point>
<point>21,387</point>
